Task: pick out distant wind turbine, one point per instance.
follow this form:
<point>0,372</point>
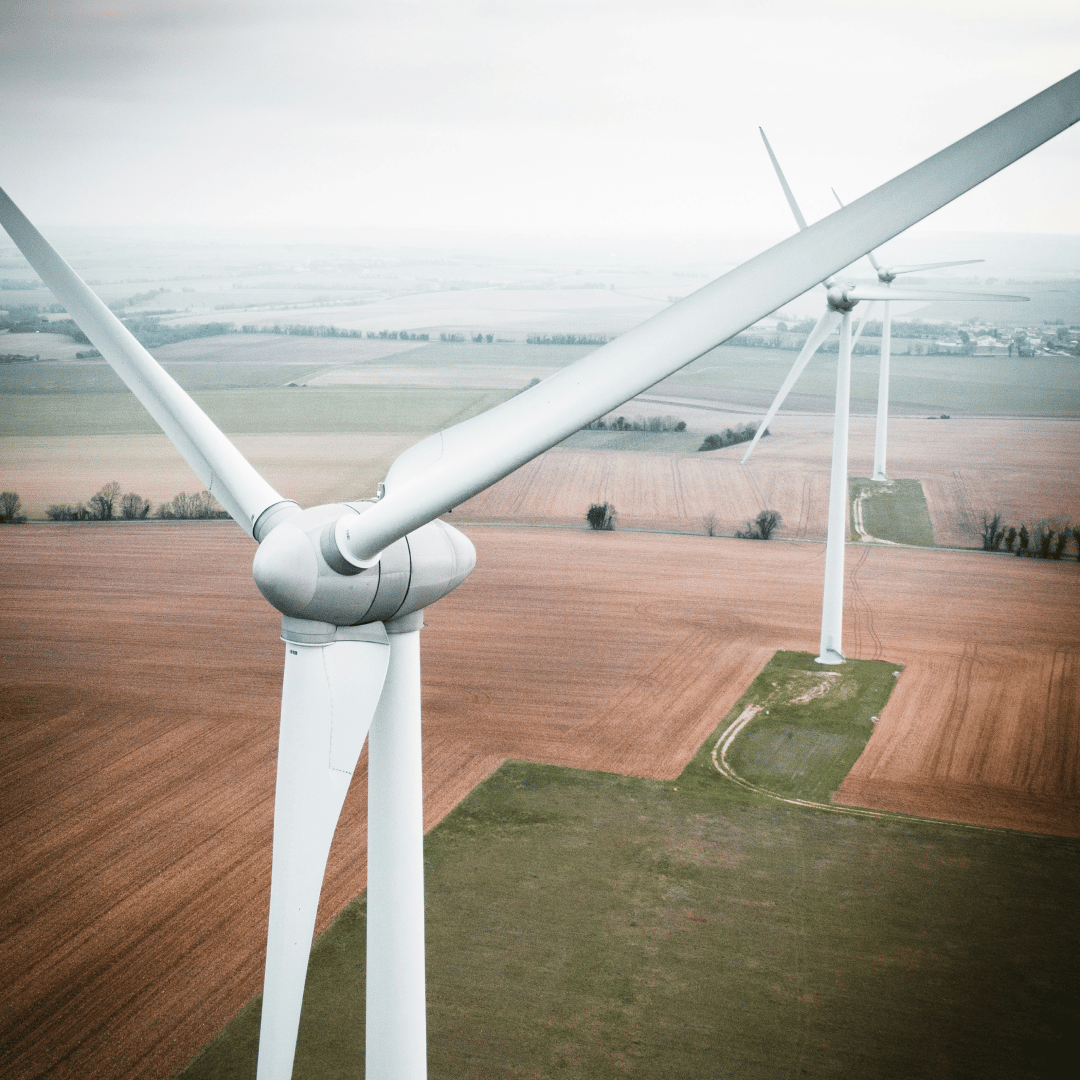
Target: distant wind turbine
<point>886,275</point>
<point>840,300</point>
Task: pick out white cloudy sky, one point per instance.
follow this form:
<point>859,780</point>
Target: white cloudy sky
<point>614,117</point>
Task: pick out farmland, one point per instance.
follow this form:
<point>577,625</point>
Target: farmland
<point>58,419</point>
<point>142,675</point>
<point>967,468</point>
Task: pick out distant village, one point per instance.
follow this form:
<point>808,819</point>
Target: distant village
<point>926,338</point>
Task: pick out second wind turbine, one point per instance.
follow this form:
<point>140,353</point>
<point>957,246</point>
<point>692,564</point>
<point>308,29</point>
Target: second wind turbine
<point>840,301</point>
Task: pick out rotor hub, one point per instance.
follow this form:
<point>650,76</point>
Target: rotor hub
<point>298,571</point>
<point>837,298</point>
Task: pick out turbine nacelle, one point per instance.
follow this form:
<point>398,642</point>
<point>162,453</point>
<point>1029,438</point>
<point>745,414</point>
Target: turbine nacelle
<point>839,298</point>
<point>300,572</point>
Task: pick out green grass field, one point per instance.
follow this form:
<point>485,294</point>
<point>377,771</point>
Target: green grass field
<point>893,510</point>
<point>592,925</point>
<point>292,411</point>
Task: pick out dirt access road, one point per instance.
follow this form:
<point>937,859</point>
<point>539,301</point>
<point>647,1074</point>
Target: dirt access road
<point>141,685</point>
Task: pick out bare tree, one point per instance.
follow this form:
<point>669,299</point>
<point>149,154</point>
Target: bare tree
<point>762,527</point>
<point>201,505</point>
<point>991,533</point>
<point>67,512</point>
<point>103,504</point>
<point>10,507</point>
<point>709,522</point>
<point>134,507</point>
<point>1023,539</point>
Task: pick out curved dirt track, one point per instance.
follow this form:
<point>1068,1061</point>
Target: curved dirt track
<point>140,695</point>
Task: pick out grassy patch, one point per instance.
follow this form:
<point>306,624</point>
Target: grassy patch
<point>813,723</point>
<point>891,510</point>
<point>591,925</point>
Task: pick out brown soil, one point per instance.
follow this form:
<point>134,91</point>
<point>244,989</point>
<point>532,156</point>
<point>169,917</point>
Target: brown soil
<point>140,695</point>
<point>1020,468</point>
<point>311,468</point>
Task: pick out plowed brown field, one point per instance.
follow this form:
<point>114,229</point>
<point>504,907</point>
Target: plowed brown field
<point>1020,468</point>
<point>140,696</point>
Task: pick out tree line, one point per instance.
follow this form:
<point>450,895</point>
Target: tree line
<point>1042,541</point>
<point>731,436</point>
<point>639,423</point>
<point>567,339</point>
<point>109,505</point>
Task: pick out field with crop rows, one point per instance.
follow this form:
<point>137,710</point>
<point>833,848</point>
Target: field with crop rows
<point>140,699</point>
<point>967,468</point>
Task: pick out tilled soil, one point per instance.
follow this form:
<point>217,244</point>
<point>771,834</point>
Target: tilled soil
<point>141,684</point>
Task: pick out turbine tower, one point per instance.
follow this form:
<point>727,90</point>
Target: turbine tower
<point>886,276</point>
<point>351,580</point>
<point>840,301</point>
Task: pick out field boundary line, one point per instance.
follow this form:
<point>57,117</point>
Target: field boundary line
<point>722,766</point>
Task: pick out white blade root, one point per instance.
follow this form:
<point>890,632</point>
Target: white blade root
<point>328,698</point>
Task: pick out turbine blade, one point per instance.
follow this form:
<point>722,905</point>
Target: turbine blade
<point>870,255</point>
<point>828,322</point>
<point>912,268</point>
<point>885,292</point>
<point>227,474</point>
<point>799,219</point>
<point>444,470</point>
<point>328,698</point>
<point>862,323</point>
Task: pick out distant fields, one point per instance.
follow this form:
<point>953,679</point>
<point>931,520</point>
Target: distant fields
<point>968,385</point>
<point>290,411</point>
<point>397,392</point>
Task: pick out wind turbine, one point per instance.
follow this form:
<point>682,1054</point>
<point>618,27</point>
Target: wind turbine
<point>351,580</point>
<point>886,275</point>
<point>840,301</point>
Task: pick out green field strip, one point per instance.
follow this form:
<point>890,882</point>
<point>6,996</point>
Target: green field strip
<point>891,510</point>
<point>592,925</point>
<point>299,410</point>
<point>799,748</point>
<point>920,385</point>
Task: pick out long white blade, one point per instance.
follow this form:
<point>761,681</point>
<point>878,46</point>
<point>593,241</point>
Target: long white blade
<point>328,698</point>
<point>828,322</point>
<point>227,474</point>
<point>870,255</point>
<point>862,322</point>
<point>885,292</point>
<point>446,469</point>
<point>911,268</point>
<point>799,219</point>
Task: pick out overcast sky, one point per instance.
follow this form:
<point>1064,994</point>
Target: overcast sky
<point>598,117</point>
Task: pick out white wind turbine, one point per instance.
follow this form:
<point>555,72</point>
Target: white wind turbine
<point>886,275</point>
<point>351,580</point>
<point>840,301</point>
